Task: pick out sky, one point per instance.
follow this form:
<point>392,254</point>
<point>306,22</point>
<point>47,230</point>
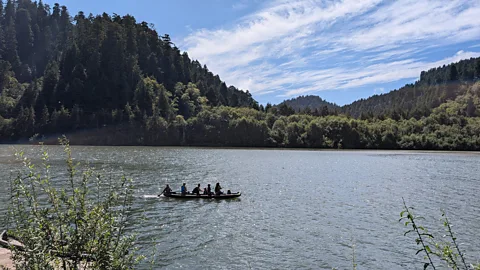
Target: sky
<point>339,50</point>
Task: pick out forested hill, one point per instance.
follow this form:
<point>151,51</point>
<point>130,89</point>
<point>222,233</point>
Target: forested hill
<point>94,67</point>
<point>417,100</point>
<point>309,102</point>
<point>434,87</point>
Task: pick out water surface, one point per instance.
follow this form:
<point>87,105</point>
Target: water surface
<point>298,210</point>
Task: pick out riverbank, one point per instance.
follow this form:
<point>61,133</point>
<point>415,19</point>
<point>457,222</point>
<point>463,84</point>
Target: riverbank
<point>6,258</point>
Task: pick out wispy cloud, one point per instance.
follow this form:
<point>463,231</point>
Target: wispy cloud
<point>239,5</point>
<point>293,47</point>
<point>379,90</point>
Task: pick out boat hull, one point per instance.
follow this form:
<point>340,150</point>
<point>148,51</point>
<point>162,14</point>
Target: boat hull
<point>194,196</point>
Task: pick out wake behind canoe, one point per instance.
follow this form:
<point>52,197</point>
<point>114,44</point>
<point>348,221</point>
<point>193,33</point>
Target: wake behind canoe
<point>194,196</point>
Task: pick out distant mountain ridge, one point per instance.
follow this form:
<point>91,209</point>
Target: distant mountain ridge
<point>309,101</point>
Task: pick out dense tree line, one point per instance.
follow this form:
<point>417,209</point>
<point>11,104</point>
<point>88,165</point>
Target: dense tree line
<point>54,67</point>
<point>451,126</point>
<point>417,100</point>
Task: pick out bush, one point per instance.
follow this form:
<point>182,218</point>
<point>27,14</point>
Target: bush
<point>73,223</point>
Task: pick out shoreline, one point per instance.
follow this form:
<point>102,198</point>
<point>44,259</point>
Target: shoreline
<point>245,148</point>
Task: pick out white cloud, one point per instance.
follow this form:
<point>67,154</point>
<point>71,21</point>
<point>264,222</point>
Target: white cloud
<point>379,90</point>
<point>293,47</point>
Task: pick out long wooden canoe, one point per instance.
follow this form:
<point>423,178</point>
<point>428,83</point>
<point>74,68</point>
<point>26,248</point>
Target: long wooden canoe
<point>194,196</point>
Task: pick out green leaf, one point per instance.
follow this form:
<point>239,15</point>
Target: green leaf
<point>427,234</point>
<point>427,248</point>
<point>401,213</point>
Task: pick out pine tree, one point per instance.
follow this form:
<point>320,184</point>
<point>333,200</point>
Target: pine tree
<point>25,122</point>
<point>2,36</point>
<point>9,12</point>
<point>76,87</point>
<point>5,74</point>
<point>50,81</point>
<point>64,26</point>
<point>54,23</point>
<point>10,50</point>
<point>1,13</point>
<point>29,97</point>
<point>452,73</point>
<point>41,39</point>
<point>477,68</point>
<point>44,119</point>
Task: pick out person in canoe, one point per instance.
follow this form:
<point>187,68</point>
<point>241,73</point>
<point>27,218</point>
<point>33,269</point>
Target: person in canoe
<point>209,190</point>
<point>196,190</point>
<point>167,190</point>
<point>183,189</point>
<point>218,189</point>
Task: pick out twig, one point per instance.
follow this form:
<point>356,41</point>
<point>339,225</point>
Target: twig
<point>420,239</point>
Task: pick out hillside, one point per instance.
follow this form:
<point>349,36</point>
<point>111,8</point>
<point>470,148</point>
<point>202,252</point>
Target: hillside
<point>53,66</point>
<point>434,87</point>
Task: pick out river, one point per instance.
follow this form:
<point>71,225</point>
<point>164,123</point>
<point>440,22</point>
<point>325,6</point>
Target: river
<point>298,210</point>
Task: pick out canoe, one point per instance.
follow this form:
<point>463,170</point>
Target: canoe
<point>194,196</point>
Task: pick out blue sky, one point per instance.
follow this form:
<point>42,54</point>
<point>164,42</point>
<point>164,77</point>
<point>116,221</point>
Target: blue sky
<point>339,50</point>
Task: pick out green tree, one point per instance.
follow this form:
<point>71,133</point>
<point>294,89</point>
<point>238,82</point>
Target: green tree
<point>285,110</point>
<point>5,74</point>
<point>25,122</point>
<point>24,35</point>
<point>10,51</point>
<point>278,132</point>
<point>9,12</point>
<point>452,73</point>
<point>314,134</point>
<point>50,81</point>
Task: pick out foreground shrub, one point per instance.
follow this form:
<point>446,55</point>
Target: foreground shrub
<point>75,222</point>
<point>447,251</point>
